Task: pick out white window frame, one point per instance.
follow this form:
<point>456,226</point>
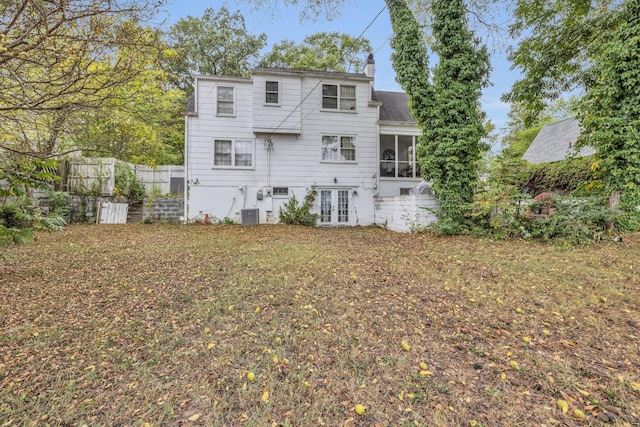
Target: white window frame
<point>234,144</point>
<point>232,102</point>
<point>339,149</point>
<point>340,98</point>
<point>278,92</point>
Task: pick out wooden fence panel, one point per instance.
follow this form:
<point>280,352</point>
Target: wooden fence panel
<point>97,175</point>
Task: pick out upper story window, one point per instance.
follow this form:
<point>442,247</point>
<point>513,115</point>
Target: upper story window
<point>225,101</point>
<point>339,148</point>
<point>233,153</point>
<point>339,97</point>
<point>272,92</point>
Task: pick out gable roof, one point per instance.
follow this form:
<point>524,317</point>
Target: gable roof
<point>308,72</point>
<point>395,106</point>
<point>555,142</point>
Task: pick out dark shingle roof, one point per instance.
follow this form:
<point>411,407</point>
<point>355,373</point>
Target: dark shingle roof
<point>555,142</point>
<point>395,106</point>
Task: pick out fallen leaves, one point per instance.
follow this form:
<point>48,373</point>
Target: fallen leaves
<point>161,324</point>
<point>563,405</point>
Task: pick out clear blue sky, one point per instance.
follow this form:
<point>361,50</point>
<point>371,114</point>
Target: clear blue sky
<point>356,15</point>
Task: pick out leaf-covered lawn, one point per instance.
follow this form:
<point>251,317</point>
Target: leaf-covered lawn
<point>137,324</point>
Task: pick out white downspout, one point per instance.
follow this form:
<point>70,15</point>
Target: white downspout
<point>186,169</point>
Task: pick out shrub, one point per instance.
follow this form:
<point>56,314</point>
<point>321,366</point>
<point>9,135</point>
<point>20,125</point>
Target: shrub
<point>579,220</point>
<point>59,203</point>
<point>127,185</point>
<point>299,214</point>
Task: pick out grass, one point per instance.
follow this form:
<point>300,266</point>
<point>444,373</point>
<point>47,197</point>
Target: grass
<point>159,325</point>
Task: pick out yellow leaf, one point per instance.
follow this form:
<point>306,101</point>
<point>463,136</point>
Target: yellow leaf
<point>514,364</point>
<point>423,366</point>
<point>503,376</point>
<point>518,310</point>
<point>257,309</point>
<point>499,301</point>
<point>265,396</point>
<point>275,359</point>
<point>194,417</point>
<point>473,423</point>
<point>635,386</point>
<point>583,392</point>
<point>425,373</point>
<point>211,345</point>
<point>359,409</point>
<point>509,353</point>
<point>405,345</point>
<point>579,414</point>
<point>526,339</point>
<point>546,332</point>
<point>563,405</point>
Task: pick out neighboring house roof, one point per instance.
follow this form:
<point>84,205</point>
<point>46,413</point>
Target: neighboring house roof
<point>395,106</point>
<point>555,142</point>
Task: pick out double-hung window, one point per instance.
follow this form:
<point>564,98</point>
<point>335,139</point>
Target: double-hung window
<point>336,148</point>
<point>339,97</point>
<point>272,93</point>
<point>233,153</point>
<point>225,101</point>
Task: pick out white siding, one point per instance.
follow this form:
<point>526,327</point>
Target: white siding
<point>293,161</point>
<point>288,151</point>
<point>285,117</point>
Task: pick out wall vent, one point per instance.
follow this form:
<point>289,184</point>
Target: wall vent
<point>249,217</point>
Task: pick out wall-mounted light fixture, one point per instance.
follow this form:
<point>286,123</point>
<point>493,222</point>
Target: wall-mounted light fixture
<point>335,180</point>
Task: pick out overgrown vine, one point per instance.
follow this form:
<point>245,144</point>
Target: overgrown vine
<point>447,110</point>
<point>611,118</point>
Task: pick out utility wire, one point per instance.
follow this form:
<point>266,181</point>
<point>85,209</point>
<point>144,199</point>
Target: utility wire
<point>326,73</point>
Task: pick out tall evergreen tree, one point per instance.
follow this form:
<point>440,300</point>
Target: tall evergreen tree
<point>452,141</point>
<point>611,116</point>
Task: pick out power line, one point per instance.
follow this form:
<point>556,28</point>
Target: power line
<point>326,73</point>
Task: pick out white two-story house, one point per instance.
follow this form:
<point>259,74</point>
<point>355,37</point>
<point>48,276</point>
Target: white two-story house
<point>253,143</point>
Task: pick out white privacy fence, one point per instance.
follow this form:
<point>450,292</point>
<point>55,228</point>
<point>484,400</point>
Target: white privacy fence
<point>405,214</point>
<point>99,176</point>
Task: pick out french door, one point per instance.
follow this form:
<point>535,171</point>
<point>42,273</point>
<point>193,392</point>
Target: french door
<point>334,207</point>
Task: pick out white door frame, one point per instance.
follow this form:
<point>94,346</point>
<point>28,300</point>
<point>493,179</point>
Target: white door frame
<point>335,206</point>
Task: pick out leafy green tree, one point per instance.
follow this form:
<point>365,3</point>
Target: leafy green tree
<point>322,51</point>
<point>452,144</point>
<point>215,44</point>
<point>57,59</point>
<point>448,110</point>
<point>19,217</point>
<point>411,61</point>
<point>142,123</point>
<point>559,41</point>
<point>611,116</point>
